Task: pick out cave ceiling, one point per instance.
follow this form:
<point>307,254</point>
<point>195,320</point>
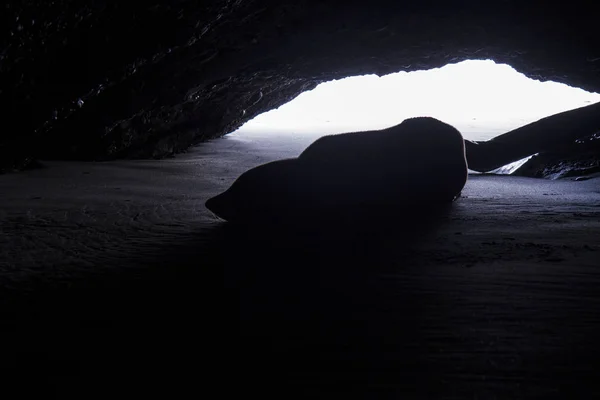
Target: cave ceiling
<point>98,80</point>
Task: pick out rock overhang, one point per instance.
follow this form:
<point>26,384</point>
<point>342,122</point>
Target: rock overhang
<point>103,80</point>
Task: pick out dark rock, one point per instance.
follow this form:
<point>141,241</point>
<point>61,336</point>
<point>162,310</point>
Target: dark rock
<point>357,177</point>
<point>581,157</point>
<point>569,136</point>
<point>97,80</point>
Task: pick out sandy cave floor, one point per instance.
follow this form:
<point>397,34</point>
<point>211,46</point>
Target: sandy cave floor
<point>111,281</point>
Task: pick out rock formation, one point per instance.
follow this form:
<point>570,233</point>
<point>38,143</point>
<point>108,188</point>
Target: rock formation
<point>569,134</point>
<point>97,80</point>
<point>419,163</point>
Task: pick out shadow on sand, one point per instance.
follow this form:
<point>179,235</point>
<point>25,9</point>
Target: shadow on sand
<point>303,310</point>
<point>309,312</point>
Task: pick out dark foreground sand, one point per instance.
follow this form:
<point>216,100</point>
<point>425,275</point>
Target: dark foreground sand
<point>115,281</point>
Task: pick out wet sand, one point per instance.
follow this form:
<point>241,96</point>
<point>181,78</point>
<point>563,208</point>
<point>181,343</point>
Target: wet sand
<point>115,280</point>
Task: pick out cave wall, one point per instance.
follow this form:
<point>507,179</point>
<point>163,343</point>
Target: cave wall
<point>97,80</point>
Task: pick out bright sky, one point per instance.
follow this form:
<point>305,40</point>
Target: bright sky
<point>480,98</point>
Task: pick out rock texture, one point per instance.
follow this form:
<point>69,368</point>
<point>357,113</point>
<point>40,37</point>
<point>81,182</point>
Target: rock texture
<point>96,80</point>
<point>578,159</point>
<point>568,138</point>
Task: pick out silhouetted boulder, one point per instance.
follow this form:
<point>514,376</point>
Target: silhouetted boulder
<point>419,163</point>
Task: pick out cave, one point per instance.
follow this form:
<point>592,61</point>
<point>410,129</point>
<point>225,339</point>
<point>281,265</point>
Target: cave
<point>116,131</point>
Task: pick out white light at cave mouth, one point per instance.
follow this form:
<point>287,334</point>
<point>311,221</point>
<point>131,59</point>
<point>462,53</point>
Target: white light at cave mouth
<point>480,98</point>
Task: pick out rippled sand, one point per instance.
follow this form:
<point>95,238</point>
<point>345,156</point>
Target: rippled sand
<point>114,279</point>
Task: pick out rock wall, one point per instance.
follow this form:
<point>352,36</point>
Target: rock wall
<point>96,80</point>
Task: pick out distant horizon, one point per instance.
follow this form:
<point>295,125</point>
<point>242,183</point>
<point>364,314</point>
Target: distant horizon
<point>480,98</point>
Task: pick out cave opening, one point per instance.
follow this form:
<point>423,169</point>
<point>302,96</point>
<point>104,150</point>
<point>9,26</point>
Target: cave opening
<point>115,278</point>
<point>481,98</point>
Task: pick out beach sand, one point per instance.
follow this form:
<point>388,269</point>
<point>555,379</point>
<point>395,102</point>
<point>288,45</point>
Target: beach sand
<point>115,280</point>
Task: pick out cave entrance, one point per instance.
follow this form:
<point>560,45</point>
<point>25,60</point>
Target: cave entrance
<point>480,98</point>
